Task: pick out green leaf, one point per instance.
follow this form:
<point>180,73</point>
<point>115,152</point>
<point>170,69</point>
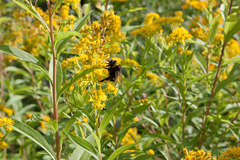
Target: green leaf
<point>58,74</point>
<point>197,41</point>
<point>201,60</point>
<point>232,26</point>
<point>22,55</point>
<point>33,11</point>
<point>66,34</point>
<point>159,136</point>
<point>75,78</point>
<point>129,28</point>
<point>3,19</point>
<point>34,136</point>
<point>121,149</point>
<point>88,147</point>
<point>57,5</point>
<point>132,10</point>
<point>79,153</point>
<point>200,24</point>
<point>213,31</point>
<point>107,117</point>
<point>232,60</point>
<point>76,27</point>
<point>198,79</point>
<point>69,124</point>
<point>13,51</point>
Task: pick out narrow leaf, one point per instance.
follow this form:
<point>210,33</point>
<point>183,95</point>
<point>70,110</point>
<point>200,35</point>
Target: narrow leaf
<point>76,27</point>
<point>131,10</point>
<point>33,11</point>
<point>121,149</point>
<point>34,136</point>
<point>74,79</point>
<point>88,147</point>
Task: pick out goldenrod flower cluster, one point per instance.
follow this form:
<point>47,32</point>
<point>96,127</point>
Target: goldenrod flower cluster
<point>155,79</point>
<point>98,42</point>
<point>8,111</point>
<point>153,24</point>
<point>2,143</point>
<point>43,123</point>
<point>131,137</point>
<point>231,154</point>
<point>199,4</point>
<point>232,48</point>
<point>6,123</point>
<point>197,155</point>
<point>180,34</point>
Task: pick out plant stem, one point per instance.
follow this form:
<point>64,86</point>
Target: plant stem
<point>230,125</point>
<point>214,87</point>
<point>54,90</point>
<point>2,78</point>
<point>97,133</point>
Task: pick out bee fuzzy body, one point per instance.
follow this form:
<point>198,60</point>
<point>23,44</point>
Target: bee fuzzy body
<point>114,71</point>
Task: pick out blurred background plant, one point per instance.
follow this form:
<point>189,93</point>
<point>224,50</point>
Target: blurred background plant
<point>177,96</point>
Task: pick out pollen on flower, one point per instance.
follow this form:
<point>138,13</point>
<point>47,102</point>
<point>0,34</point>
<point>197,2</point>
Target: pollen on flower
<point>230,154</point>
<point>6,123</point>
<point>199,154</point>
<point>180,34</point>
<point>153,24</point>
<point>64,12</point>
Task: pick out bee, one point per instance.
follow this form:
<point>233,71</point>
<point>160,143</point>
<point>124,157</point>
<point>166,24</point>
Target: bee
<point>114,71</point>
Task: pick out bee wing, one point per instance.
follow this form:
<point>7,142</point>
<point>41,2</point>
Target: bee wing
<point>118,75</point>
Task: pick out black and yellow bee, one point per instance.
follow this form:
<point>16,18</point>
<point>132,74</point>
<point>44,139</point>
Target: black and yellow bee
<point>114,71</point>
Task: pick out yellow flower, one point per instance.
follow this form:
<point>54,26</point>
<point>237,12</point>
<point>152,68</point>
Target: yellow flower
<point>8,111</point>
<point>230,154</point>
<point>153,24</point>
<point>155,79</point>
<point>43,124</point>
<point>197,155</point>
<point>7,123</point>
<point>232,48</point>
<point>179,34</point>
<point>135,119</point>
<point>151,152</point>
<point>3,145</point>
<point>64,12</point>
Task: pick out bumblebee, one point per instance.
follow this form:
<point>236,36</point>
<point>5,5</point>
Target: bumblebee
<point>114,71</point>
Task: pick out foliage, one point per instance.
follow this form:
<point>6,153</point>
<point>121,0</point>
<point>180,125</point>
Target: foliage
<point>119,79</point>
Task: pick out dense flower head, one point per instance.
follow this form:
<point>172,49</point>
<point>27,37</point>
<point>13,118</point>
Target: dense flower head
<point>131,136</point>
<point>180,34</point>
<point>200,4</point>
<point>232,48</point>
<point>6,123</point>
<point>64,12</point>
<point>231,154</point>
<point>98,97</point>
<point>154,79</point>
<point>153,24</point>
<point>197,155</point>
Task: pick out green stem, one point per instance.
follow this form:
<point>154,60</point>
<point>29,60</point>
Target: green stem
<point>54,89</point>
<point>214,87</point>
